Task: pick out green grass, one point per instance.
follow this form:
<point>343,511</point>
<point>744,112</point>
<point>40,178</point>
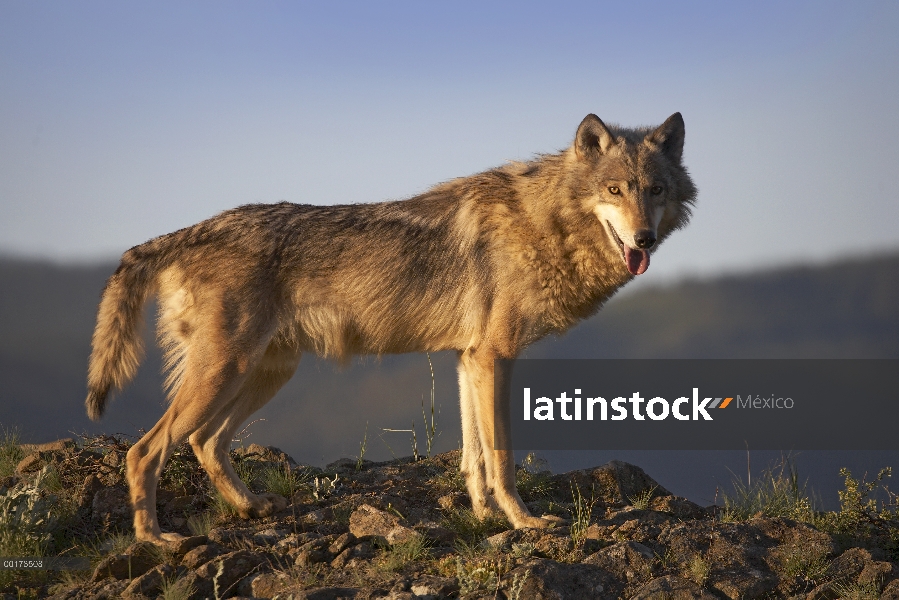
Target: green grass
<point>403,553</point>
<point>778,494</point>
<point>643,500</point>
<point>533,479</point>
<point>10,452</point>
<point>469,528</point>
<point>202,523</point>
<point>282,480</point>
<point>581,513</point>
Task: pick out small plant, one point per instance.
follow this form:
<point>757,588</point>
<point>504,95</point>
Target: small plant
<point>533,479</point>
<point>855,505</point>
<point>221,506</point>
<point>362,447</point>
<point>523,549</point>
<point>480,568</point>
<point>27,518</point>
<point>517,585</point>
<point>698,570</point>
<point>778,494</point>
<point>581,513</point>
<point>469,528</point>
<point>401,554</point>
<point>430,428</point>
<point>10,451</point>
<point>201,524</point>
<point>282,480</point>
<point>322,487</point>
<point>475,579</point>
<point>116,543</point>
<point>643,500</point>
<point>807,562</point>
<point>177,589</point>
<point>856,591</point>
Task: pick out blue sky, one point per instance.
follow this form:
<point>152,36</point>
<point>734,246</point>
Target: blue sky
<point>123,121</point>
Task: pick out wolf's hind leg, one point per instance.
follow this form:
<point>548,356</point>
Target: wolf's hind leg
<point>212,441</point>
<point>203,390</point>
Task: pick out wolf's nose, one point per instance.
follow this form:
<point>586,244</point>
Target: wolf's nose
<point>645,239</point>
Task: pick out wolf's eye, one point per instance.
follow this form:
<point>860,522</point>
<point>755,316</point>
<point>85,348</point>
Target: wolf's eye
<point>656,189</point>
<point>614,190</point>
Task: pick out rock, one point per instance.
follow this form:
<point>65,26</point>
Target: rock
<point>450,501</point>
<point>227,570</point>
<point>551,580</point>
<point>672,587</point>
<point>891,591</point>
<point>329,593</point>
<point>179,504</point>
<point>342,543</point>
<point>185,545</point>
<point>363,551</point>
<point>850,564</point>
<point>678,507</point>
<point>628,561</point>
<point>150,583</point>
<point>55,446</point>
<point>341,465</point>
<point>616,482</point>
<point>113,459</point>
<point>877,573</point>
<point>29,464</point>
<point>266,585</point>
<point>368,521</point>
<point>111,507</point>
<point>265,453</point>
<point>430,587</point>
<point>139,558</point>
<point>313,552</point>
<point>201,555</point>
<point>440,536</point>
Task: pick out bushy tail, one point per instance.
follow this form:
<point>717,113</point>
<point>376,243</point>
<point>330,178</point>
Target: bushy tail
<point>117,342</point>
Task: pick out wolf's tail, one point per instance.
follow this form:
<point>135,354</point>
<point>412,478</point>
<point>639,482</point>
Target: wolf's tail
<point>117,343</point>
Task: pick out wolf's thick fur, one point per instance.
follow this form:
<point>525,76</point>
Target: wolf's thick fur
<point>483,265</point>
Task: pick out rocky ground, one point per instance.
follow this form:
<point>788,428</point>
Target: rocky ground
<point>402,529</point>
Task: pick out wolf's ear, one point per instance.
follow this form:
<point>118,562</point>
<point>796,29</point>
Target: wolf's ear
<point>669,137</point>
<point>592,136</point>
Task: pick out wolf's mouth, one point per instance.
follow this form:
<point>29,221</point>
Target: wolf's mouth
<point>636,260</point>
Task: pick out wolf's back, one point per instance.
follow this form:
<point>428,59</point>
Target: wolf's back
<point>117,344</point>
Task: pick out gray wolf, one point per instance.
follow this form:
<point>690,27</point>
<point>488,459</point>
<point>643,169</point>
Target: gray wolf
<point>482,265</point>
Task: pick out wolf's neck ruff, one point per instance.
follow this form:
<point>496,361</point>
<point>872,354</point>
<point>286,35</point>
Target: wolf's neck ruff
<point>483,265</point>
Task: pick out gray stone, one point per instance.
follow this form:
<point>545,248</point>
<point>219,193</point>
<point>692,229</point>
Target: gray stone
<point>29,464</point>
<point>551,580</point>
<point>201,555</point>
<point>139,558</point>
<point>672,587</point>
<point>150,583</point>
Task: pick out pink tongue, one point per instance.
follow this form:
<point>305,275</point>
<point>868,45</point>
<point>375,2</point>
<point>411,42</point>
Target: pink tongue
<point>637,261</point>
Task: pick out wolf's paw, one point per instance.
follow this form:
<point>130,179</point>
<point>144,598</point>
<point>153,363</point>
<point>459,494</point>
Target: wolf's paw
<point>266,505</point>
<point>544,522</point>
<point>163,539</point>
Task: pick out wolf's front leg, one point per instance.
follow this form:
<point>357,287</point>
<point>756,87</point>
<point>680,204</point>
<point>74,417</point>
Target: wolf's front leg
<point>498,465</point>
<point>473,465</point>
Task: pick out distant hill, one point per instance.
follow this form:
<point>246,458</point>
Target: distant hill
<point>847,309</point>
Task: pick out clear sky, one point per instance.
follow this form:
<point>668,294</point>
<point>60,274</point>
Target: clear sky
<point>120,121</point>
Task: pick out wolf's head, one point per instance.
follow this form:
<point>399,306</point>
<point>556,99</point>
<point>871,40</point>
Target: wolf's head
<point>633,181</point>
